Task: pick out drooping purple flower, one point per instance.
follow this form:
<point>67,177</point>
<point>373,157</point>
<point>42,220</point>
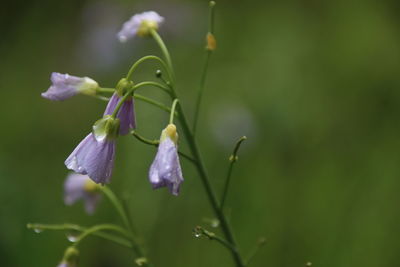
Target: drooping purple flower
<point>65,86</point>
<point>165,171</point>
<point>140,24</point>
<point>126,114</point>
<point>78,186</point>
<point>94,156</point>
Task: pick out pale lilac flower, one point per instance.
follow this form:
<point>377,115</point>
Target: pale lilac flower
<point>78,186</point>
<point>94,156</point>
<point>126,114</point>
<point>165,171</point>
<point>65,86</point>
<point>140,24</point>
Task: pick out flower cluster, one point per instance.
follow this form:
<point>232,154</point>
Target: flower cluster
<point>93,159</point>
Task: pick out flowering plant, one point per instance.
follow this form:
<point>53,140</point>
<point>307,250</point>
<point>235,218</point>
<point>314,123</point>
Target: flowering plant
<point>92,161</point>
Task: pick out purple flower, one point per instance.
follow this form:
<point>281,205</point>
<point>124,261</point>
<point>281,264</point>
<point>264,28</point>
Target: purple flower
<point>94,156</point>
<point>126,114</point>
<point>140,24</point>
<point>165,171</point>
<point>65,86</point>
<point>78,186</point>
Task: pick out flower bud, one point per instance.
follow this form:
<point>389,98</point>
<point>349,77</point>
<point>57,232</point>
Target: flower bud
<point>123,86</point>
<point>211,42</point>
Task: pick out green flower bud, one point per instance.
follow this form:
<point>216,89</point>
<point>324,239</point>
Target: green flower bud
<point>123,86</point>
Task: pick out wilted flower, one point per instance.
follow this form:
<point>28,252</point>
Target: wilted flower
<point>65,86</point>
<point>166,169</point>
<point>94,156</point>
<point>78,186</point>
<point>126,114</point>
<point>70,259</point>
<point>140,24</point>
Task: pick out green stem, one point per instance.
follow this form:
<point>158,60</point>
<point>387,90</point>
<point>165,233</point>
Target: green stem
<point>213,236</point>
<point>201,90</point>
<point>165,52</point>
<point>156,143</point>
<point>144,139</point>
<point>74,227</point>
<point>153,102</point>
<point>143,59</point>
<point>121,211</point>
<point>233,158</point>
<point>205,68</point>
<point>101,227</point>
<point>199,163</point>
<point>172,114</point>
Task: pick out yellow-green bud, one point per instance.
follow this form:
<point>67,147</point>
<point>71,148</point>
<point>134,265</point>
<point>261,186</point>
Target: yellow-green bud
<point>123,86</point>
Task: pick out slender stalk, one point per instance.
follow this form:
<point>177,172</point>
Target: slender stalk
<point>121,211</point>
<point>166,54</point>
<point>152,102</point>
<point>117,205</point>
<point>143,59</point>
<point>260,244</point>
<point>233,158</point>
<point>101,227</point>
<point>144,139</point>
<point>199,231</point>
<point>201,90</point>
<point>172,114</point>
<point>209,51</point>
<point>74,227</point>
<point>156,143</point>
<point>199,163</point>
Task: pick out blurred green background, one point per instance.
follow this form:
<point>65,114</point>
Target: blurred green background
<point>313,84</point>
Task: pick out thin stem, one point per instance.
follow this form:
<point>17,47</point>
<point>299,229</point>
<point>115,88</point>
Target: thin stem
<point>233,158</point>
<point>260,244</point>
<point>200,165</point>
<point>205,67</point>
<point>165,52</point>
<point>143,59</point>
<point>74,227</point>
<point>121,211</point>
<point>117,205</point>
<point>153,102</point>
<point>156,143</point>
<point>199,231</point>
<point>171,116</point>
<point>201,90</point>
<point>101,227</point>
<point>145,140</point>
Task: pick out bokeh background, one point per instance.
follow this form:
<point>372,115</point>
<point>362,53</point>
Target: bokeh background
<point>313,84</point>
